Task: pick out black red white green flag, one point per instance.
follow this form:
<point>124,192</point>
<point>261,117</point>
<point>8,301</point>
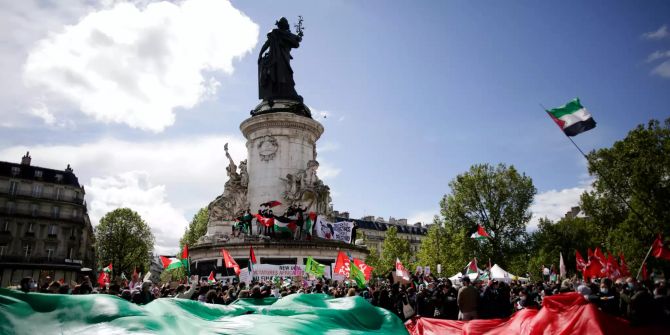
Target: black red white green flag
<point>572,118</point>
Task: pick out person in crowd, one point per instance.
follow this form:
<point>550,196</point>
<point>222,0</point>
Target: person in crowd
<point>608,298</point>
<point>449,305</point>
<point>467,300</point>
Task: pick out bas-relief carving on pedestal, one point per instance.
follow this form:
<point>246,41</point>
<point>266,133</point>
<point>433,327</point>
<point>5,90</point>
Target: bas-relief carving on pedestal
<point>267,148</point>
<point>305,189</point>
<point>229,205</point>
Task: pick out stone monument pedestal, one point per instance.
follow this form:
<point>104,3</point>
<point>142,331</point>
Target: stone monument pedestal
<point>281,150</point>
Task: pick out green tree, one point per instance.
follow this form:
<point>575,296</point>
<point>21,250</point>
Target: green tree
<point>394,247</point>
<point>637,170</point>
<point>374,260</point>
<point>125,240</point>
<point>442,245</point>
<point>196,229</point>
<point>497,198</point>
<point>168,276</point>
<point>565,236</point>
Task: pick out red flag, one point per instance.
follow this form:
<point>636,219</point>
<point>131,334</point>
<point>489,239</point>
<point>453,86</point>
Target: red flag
<point>342,264</point>
<point>252,256</point>
<point>580,261</point>
<point>624,266</point>
<point>616,272</point>
<point>103,278</point>
<point>644,271</point>
<point>609,268</point>
<point>599,255</point>
<point>229,262</point>
<point>481,232</point>
<point>593,268</point>
<point>589,254</point>
<point>184,252</point>
<point>659,250</point>
<point>61,281</point>
<point>272,203</point>
<point>267,222</point>
<point>367,270</point>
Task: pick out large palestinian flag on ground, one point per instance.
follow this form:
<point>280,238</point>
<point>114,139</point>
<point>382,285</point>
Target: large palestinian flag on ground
<point>572,118</point>
<point>37,313</point>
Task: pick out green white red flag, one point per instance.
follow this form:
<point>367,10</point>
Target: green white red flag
<point>211,279</point>
<point>171,263</point>
<point>572,118</point>
<point>480,234</point>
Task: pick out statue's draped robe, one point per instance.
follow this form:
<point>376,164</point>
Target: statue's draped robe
<point>274,70</point>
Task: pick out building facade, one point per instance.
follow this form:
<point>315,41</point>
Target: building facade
<point>45,230</point>
<point>375,229</point>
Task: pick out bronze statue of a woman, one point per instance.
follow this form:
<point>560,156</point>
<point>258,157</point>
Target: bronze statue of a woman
<point>275,75</point>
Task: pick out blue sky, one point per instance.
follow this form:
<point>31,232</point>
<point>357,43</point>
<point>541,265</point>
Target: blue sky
<point>414,93</point>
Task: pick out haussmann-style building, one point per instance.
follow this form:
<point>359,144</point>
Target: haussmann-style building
<point>45,230</point>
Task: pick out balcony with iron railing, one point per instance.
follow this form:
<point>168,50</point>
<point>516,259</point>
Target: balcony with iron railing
<point>40,260</point>
<point>51,196</point>
<point>39,214</point>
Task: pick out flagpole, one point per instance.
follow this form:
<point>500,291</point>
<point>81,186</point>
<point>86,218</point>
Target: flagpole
<point>605,179</point>
<point>644,261</point>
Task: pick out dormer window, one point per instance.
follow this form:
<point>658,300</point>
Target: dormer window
<point>38,174</point>
<point>59,177</point>
<point>15,171</point>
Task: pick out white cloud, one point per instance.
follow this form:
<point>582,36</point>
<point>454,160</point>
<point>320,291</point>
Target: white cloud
<point>658,55</point>
<point>136,64</point>
<point>134,190</point>
<point>662,70</point>
<point>327,171</point>
<point>43,113</point>
<point>660,33</point>
<point>425,217</point>
<point>162,180</point>
<point>553,204</point>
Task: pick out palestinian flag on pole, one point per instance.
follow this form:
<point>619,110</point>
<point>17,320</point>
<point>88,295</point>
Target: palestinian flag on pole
<point>108,268</point>
<point>572,118</point>
<point>309,222</point>
<point>471,267</point>
<point>284,226</point>
<point>171,263</point>
<point>252,259</point>
<point>267,222</point>
<point>211,279</point>
<point>185,260</point>
<point>480,234</point>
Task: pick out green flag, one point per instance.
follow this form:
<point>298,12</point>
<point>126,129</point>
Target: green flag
<point>356,274</point>
<point>33,313</point>
<point>313,267</point>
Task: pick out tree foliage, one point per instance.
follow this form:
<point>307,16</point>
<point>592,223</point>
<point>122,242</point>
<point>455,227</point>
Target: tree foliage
<point>168,276</point>
<point>125,240</point>
<point>442,245</point>
<point>565,236</point>
<point>394,247</point>
<point>497,198</point>
<point>196,229</point>
<point>635,169</point>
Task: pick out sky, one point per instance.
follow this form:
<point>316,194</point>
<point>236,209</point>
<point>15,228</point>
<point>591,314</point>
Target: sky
<point>140,96</point>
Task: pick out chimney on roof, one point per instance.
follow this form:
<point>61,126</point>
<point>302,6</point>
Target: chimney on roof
<point>25,160</point>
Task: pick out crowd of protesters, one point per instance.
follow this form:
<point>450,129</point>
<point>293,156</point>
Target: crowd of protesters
<point>641,302</point>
